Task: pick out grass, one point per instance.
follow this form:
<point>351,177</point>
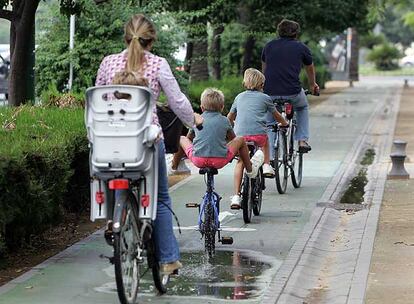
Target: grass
<point>369,70</point>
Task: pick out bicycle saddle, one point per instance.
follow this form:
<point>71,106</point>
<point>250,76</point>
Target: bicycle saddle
<point>212,171</point>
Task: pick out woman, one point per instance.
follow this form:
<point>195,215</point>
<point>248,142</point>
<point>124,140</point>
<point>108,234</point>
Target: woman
<point>139,36</point>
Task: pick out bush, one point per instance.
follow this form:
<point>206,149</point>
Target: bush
<point>322,76</point>
<point>43,170</point>
<point>385,57</point>
<point>370,40</point>
<point>231,86</point>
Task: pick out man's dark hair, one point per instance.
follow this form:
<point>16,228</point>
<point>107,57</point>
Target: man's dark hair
<point>288,29</point>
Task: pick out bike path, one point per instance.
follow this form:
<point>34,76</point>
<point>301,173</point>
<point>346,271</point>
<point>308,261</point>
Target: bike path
<point>80,276</point>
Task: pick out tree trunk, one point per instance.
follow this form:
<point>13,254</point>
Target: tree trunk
<point>216,51</point>
<point>21,30</point>
<point>248,52</point>
<point>353,63</point>
<point>188,56</point>
<point>199,63</point>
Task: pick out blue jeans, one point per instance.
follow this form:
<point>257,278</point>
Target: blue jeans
<point>301,107</point>
<point>166,243</point>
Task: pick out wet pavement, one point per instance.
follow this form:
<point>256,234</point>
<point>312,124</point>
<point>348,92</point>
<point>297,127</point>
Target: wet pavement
<point>242,271</point>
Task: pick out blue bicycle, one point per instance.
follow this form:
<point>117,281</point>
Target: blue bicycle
<point>208,214</point>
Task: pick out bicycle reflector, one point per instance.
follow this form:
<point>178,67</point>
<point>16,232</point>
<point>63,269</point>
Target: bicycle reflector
<point>288,108</point>
<point>99,197</point>
<point>145,200</point>
<point>119,184</point>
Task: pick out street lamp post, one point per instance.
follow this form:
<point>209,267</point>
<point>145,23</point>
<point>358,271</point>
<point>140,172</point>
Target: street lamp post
<point>71,45</point>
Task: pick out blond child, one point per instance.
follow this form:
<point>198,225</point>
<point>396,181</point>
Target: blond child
<point>248,114</point>
<point>215,145</point>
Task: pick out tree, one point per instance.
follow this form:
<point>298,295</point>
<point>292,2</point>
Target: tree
<point>99,32</point>
<point>21,14</point>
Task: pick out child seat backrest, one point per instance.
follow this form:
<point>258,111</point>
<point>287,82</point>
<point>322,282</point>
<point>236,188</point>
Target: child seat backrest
<point>116,118</point>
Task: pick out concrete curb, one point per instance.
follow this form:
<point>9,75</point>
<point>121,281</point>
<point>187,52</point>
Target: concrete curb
<point>359,281</point>
<point>332,191</point>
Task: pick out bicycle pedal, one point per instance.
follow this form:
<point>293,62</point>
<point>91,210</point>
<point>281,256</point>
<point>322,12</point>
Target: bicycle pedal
<point>235,207</point>
<point>226,240</point>
<point>192,205</point>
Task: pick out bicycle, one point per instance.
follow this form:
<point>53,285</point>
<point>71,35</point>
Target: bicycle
<point>251,190</point>
<point>124,167</point>
<point>208,214</point>
<point>288,159</point>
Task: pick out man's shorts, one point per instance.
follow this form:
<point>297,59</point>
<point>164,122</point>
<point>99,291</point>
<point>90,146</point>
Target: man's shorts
<point>210,162</point>
<point>259,139</point>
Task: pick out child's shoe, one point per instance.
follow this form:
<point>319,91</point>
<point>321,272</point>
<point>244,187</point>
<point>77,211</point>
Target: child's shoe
<point>268,171</point>
<point>235,202</point>
<point>257,160</point>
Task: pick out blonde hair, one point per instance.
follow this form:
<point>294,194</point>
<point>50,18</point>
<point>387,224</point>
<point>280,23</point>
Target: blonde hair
<point>253,79</point>
<point>212,99</point>
<point>130,78</point>
<point>139,34</point>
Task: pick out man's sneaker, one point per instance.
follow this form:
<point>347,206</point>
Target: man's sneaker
<point>304,147</point>
<point>170,268</point>
<point>235,202</point>
<point>268,171</point>
<point>257,160</point>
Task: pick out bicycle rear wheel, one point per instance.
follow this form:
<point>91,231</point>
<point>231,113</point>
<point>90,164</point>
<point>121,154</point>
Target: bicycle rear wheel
<point>257,192</point>
<point>296,160</point>
<point>126,252</point>
<point>209,230</point>
<point>246,203</point>
<point>280,162</point>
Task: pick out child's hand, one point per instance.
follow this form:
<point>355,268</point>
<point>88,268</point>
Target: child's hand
<point>198,119</point>
<point>284,124</point>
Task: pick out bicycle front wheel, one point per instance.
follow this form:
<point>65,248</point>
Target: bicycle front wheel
<point>296,160</point>
<point>209,230</point>
<point>246,203</point>
<point>257,193</point>
<point>126,252</point>
<point>280,162</point>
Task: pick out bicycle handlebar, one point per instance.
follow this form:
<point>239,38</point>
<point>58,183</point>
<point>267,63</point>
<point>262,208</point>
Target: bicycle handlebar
<point>307,92</point>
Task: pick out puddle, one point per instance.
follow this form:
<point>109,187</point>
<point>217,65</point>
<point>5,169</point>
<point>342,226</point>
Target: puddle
<point>230,275</point>
<point>354,194</point>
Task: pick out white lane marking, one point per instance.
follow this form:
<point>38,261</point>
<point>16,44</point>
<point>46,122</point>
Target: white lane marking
<point>225,214</point>
<point>223,228</point>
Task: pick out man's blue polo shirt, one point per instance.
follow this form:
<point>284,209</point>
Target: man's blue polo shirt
<point>284,58</point>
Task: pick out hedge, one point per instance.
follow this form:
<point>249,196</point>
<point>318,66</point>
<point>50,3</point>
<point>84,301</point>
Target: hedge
<point>43,170</point>
<point>232,86</point>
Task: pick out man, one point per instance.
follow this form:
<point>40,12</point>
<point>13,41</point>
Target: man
<point>282,61</point>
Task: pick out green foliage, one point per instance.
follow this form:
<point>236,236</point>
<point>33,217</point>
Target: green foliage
<point>385,57</point>
<point>43,170</point>
<point>230,86</point>
<point>370,40</point>
<point>99,32</point>
<point>355,192</point>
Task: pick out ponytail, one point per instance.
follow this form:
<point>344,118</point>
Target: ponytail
<point>135,56</point>
<point>139,34</point>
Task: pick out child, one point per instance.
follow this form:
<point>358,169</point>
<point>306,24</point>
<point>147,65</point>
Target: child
<point>249,113</point>
<point>215,144</point>
<point>128,78</point>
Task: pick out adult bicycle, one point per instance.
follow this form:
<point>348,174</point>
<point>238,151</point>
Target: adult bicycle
<point>124,167</point>
<point>288,159</point>
<point>251,190</point>
<point>208,214</point>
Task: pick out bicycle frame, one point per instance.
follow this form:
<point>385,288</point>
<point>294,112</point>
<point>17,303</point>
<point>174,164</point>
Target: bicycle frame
<point>210,197</point>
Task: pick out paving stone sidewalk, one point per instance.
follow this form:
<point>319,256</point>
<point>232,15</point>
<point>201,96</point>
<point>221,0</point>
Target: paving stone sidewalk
<point>391,276</point>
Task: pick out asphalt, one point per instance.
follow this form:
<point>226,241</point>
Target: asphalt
<point>78,275</point>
